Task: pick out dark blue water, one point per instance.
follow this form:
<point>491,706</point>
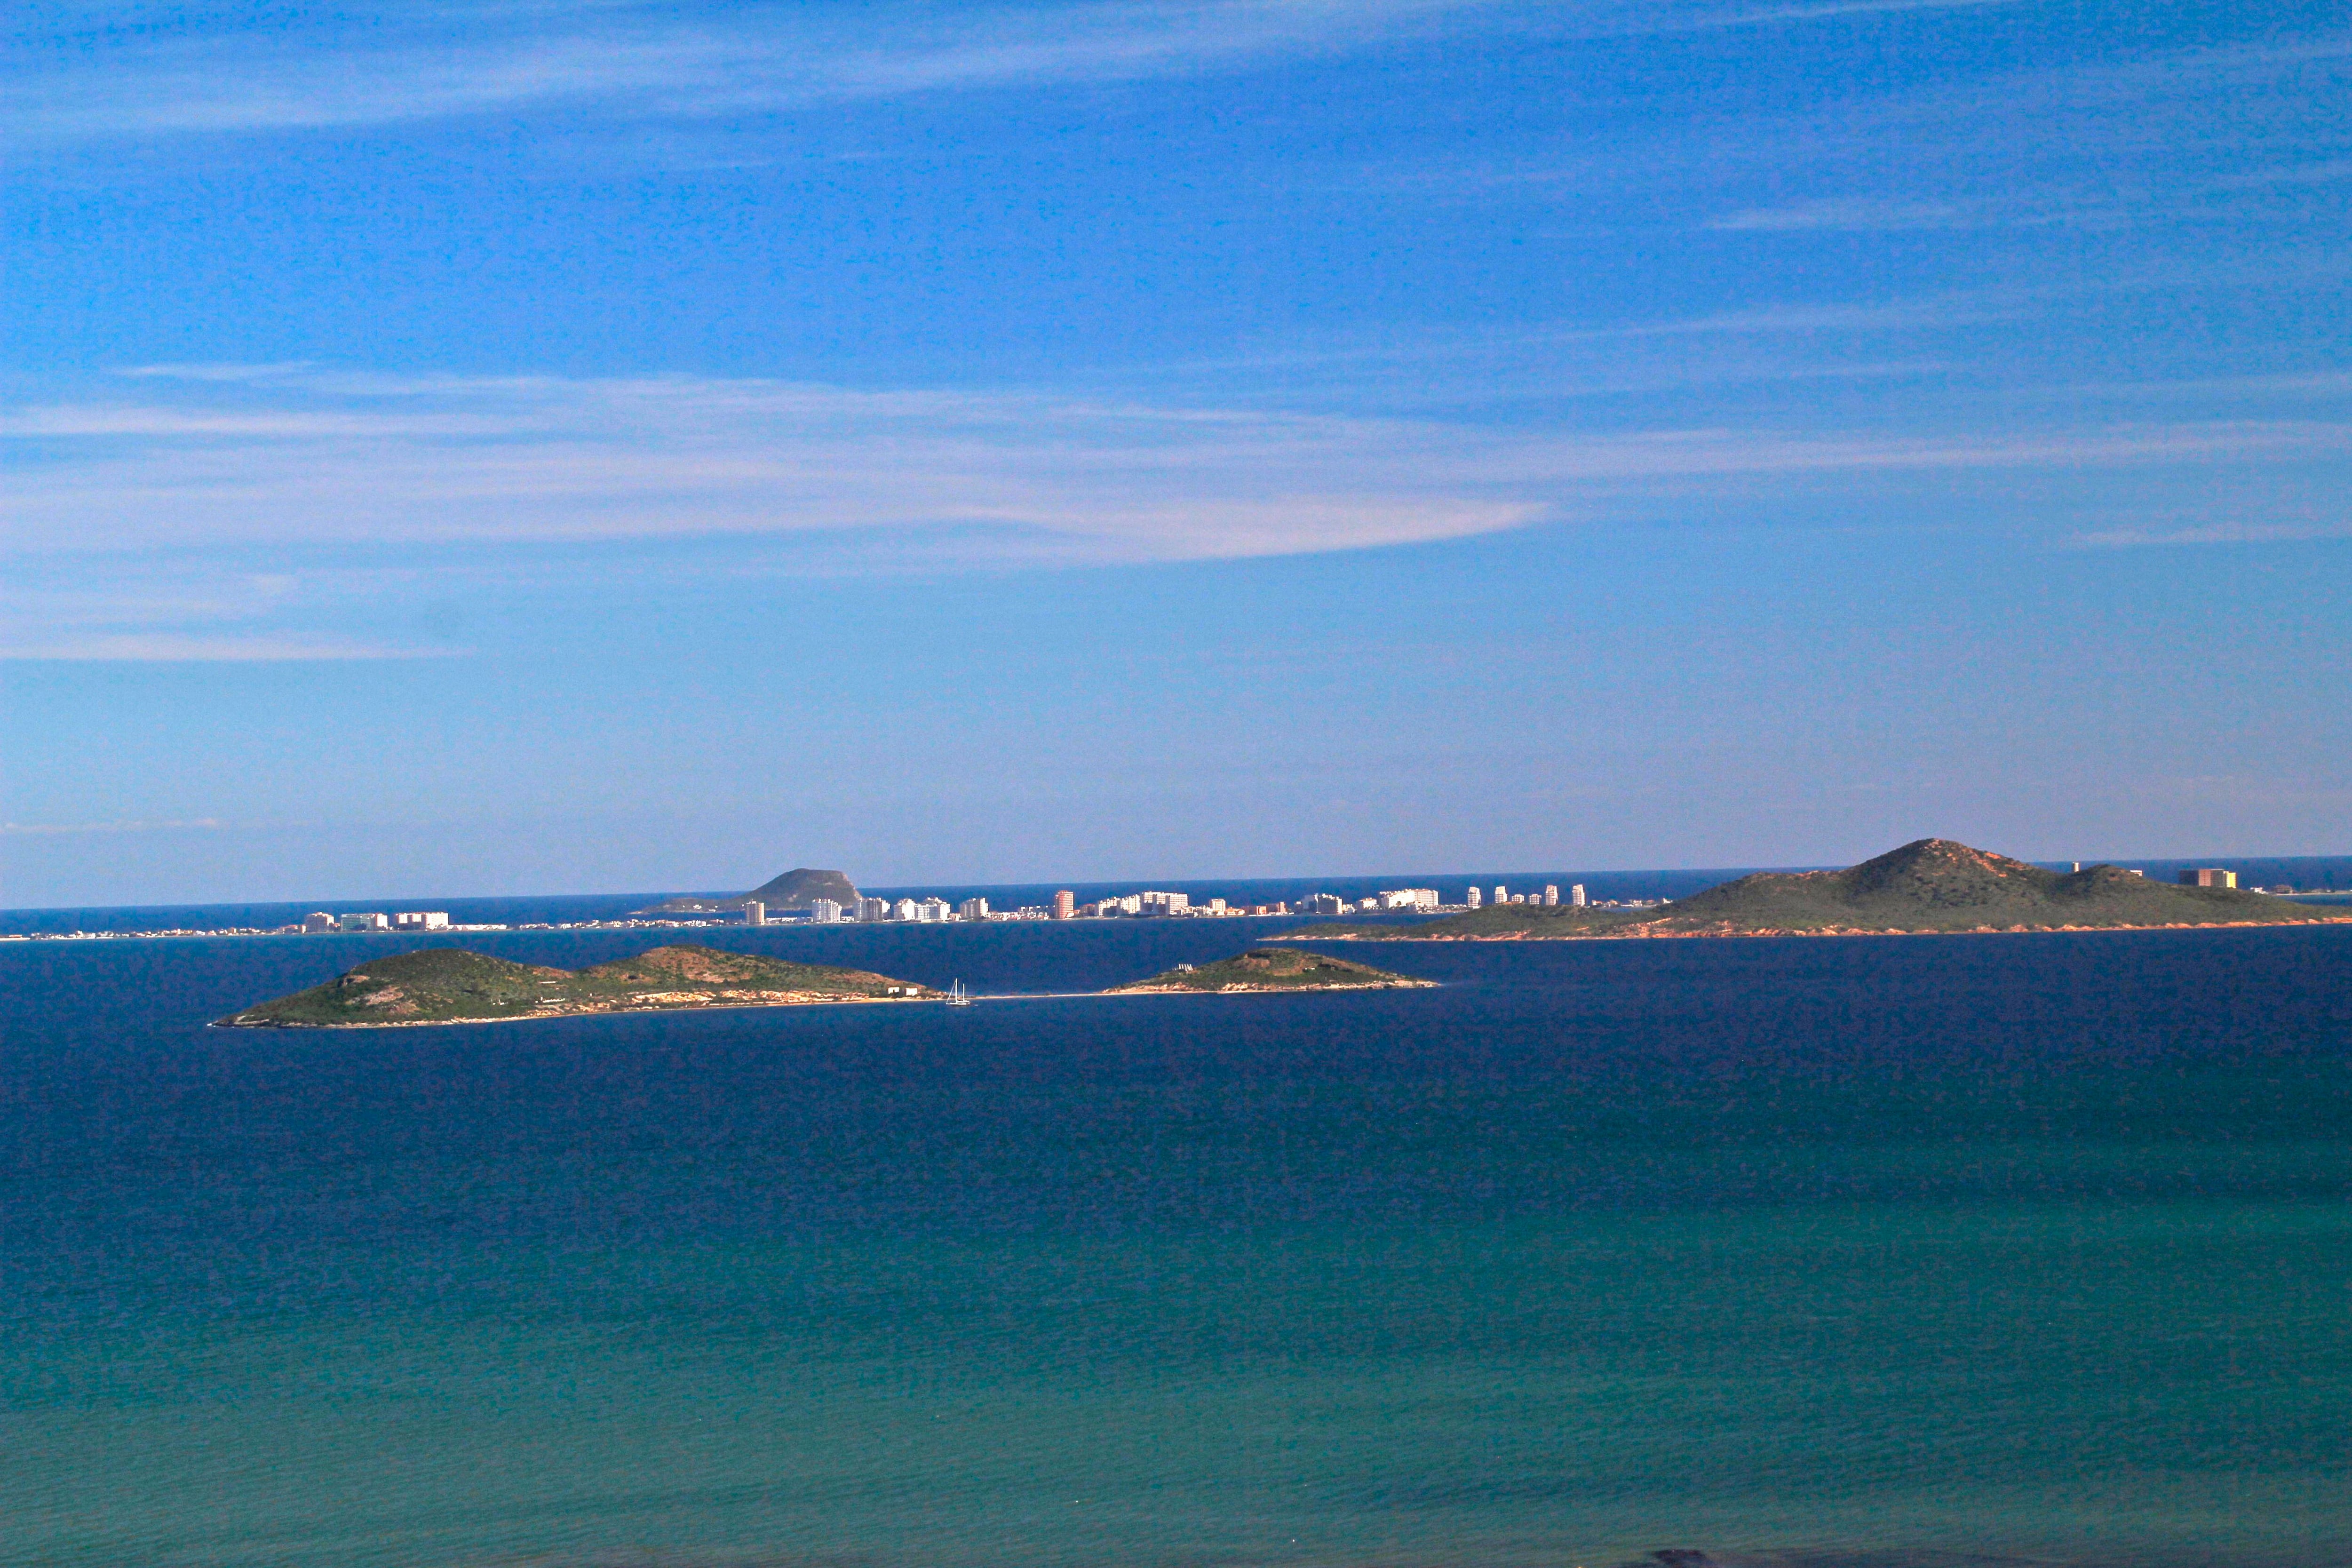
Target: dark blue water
<point>2025,1245</point>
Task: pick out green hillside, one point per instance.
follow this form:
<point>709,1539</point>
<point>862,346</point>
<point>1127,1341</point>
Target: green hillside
<point>1932,885</point>
<point>1274,969</point>
<point>1937,885</point>
<point>451,986</point>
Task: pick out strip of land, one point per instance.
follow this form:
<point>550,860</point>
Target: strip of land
<point>1931,886</point>
<point>1271,969</point>
<point>451,986</point>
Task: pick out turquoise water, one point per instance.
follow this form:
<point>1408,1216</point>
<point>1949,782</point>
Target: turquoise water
<point>1862,1250</point>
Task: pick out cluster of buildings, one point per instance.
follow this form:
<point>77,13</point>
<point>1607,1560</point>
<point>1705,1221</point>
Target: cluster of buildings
<point>1151,903</point>
<point>1065,907</point>
<point>407,920</point>
<point>1154,902</point>
<point>1550,896</point>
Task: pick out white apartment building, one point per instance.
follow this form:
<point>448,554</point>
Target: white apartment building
<point>1472,898</point>
<point>904,910</point>
<point>824,913</point>
<point>755,913</point>
<point>933,909</point>
<point>1576,895</point>
<point>873,909</point>
<point>318,920</point>
<point>365,922</point>
<point>972,909</point>
<point>421,919</point>
<point>1551,894</point>
<point>1408,898</point>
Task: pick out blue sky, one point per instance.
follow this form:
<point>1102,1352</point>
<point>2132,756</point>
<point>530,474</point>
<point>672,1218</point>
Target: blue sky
<point>510,447</point>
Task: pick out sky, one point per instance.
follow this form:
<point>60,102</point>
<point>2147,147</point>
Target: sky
<point>497,447</point>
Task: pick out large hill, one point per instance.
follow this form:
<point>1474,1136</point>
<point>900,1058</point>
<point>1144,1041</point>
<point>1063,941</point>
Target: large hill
<point>795,890</point>
<point>451,985</point>
<point>1932,885</point>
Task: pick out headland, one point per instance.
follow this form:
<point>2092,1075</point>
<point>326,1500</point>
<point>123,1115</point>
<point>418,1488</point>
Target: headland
<point>1929,885</point>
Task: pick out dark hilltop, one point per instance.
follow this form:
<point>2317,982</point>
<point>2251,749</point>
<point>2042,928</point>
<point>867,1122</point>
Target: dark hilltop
<point>794,890</point>
<point>451,985</point>
<point>1933,885</point>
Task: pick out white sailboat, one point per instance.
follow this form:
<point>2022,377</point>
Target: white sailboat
<point>958,996</point>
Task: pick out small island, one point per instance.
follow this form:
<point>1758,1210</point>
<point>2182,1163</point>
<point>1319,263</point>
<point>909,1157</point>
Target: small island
<point>1272,969</point>
<point>451,985</point>
<point>1930,886</point>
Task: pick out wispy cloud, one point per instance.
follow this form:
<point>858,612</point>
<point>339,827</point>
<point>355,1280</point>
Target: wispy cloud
<point>640,61</point>
<point>644,61</point>
<point>313,457</point>
<point>181,647</point>
<point>2191,135</point>
<point>130,507</point>
<point>1847,213</point>
<point>50,830</point>
<point>2212,533</point>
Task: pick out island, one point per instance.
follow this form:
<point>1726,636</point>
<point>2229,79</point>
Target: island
<point>1929,885</point>
<point>1272,969</point>
<point>453,985</point>
<point>794,890</point>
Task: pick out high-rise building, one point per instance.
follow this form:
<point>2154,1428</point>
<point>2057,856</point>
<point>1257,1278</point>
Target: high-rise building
<point>421,919</point>
<point>1551,894</point>
<point>318,920</point>
<point>755,913</point>
<point>2209,876</point>
<point>972,909</point>
<point>873,909</point>
<point>1576,895</point>
<point>823,912</point>
<point>933,908</point>
<point>1501,896</point>
<point>904,910</point>
<point>1066,904</point>
<point>365,922</point>
<point>1327,904</point>
<point>1472,898</point>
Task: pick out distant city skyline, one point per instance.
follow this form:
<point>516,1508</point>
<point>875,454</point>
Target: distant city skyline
<point>499,450</point>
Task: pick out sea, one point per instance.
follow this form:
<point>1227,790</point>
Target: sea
<point>1895,1252</point>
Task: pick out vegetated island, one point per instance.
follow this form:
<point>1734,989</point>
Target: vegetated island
<point>794,890</point>
<point>451,985</point>
<point>1272,969</point>
<point>1933,885</point>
